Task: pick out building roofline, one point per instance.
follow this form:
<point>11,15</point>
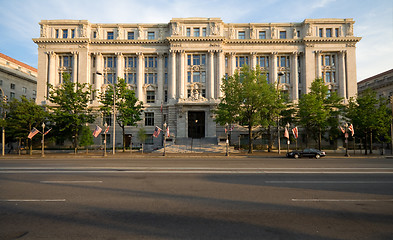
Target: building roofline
<point>376,76</point>
<point>17,62</point>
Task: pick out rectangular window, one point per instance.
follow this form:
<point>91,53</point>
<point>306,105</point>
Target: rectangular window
<point>203,77</point>
<point>328,32</point>
<point>262,34</point>
<point>130,78</point>
<point>109,78</point>
<point>203,57</point>
<point>327,60</point>
<point>196,60</point>
<point>241,35</point>
<point>196,76</point>
<point>166,78</point>
<point>166,62</point>
<point>327,78</point>
<point>24,89</point>
<point>65,33</point>
<point>95,35</point>
<point>240,61</point>
<point>320,32</point>
<point>149,119</point>
<point>110,35</point>
<point>188,32</point>
<point>131,62</point>
<point>189,60</point>
<point>57,33</point>
<point>333,77</point>
<point>298,34</point>
<point>337,32</point>
<point>283,34</point>
<point>110,62</point>
<point>130,36</point>
<point>203,32</point>
<point>73,33</point>
<point>189,77</point>
<point>196,32</point>
<point>12,95</point>
<point>150,96</point>
<point>150,78</point>
<point>151,35</point>
<point>150,62</point>
<point>12,86</point>
<point>166,96</point>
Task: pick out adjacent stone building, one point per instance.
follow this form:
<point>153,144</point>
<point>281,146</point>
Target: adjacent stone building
<point>381,83</point>
<point>176,68</point>
<point>17,79</point>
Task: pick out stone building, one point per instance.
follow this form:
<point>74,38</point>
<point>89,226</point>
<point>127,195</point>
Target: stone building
<point>179,65</point>
<point>17,79</point>
<point>381,83</point>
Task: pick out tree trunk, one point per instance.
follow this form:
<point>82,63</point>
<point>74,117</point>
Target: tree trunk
<point>365,144</point>
<point>31,147</point>
<point>76,143</point>
<point>319,139</point>
<point>371,142</point>
<point>249,139</point>
<point>269,148</point>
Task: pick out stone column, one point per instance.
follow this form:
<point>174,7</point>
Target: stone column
<point>342,88</point>
<point>233,62</point>
<point>273,68</point>
<point>210,81</point>
<point>319,64</point>
<point>119,66</point>
<point>253,60</point>
<point>172,75</point>
<point>160,78</point>
<point>182,75</point>
<point>220,71</point>
<point>52,68</point>
<point>294,77</point>
<point>140,78</point>
<point>351,86</point>
<point>99,70</point>
<point>75,67</point>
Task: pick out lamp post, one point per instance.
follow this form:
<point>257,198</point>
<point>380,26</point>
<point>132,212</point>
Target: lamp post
<point>114,117</point>
<point>346,140</point>
<point>43,140</point>
<point>226,141</point>
<point>106,125</point>
<point>280,74</point>
<point>3,129</point>
<point>165,125</point>
<point>288,137</point>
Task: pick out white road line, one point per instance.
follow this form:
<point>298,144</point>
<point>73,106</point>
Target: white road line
<point>70,181</point>
<point>332,182</point>
<point>341,200</point>
<point>32,200</point>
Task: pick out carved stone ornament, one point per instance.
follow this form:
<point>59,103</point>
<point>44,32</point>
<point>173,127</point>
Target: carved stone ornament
<point>196,95</point>
<point>43,30</point>
<point>196,68</point>
<point>83,30</point>
<point>232,32</point>
<point>176,28</point>
<point>309,30</point>
<point>214,28</point>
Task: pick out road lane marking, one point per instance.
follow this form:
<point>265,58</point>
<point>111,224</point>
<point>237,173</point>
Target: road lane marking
<point>331,182</point>
<point>32,200</point>
<point>340,200</point>
<point>65,182</point>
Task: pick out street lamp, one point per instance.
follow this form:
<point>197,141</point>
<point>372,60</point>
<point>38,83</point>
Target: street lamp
<point>227,141</point>
<point>280,74</point>
<point>106,126</point>
<point>288,137</point>
<point>165,129</point>
<point>4,114</point>
<point>43,140</point>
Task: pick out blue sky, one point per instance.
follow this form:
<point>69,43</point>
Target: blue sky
<point>374,20</point>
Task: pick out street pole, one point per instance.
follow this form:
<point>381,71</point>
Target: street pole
<point>106,126</point>
<point>288,137</point>
<point>227,141</point>
<point>43,141</point>
<point>165,125</point>
<point>346,140</point>
<point>280,74</point>
<point>3,129</point>
<point>114,117</point>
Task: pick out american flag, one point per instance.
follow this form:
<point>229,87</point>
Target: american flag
<point>342,129</point>
<point>286,133</point>
<point>157,131</point>
<point>350,128</point>
<point>33,132</point>
<point>47,132</point>
<point>295,132</point>
<point>107,130</point>
<point>167,131</point>
<point>97,131</point>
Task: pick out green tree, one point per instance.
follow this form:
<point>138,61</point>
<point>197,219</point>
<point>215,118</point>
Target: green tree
<point>70,108</point>
<point>128,108</point>
<point>245,95</point>
<point>142,136</point>
<point>86,138</point>
<point>319,110</point>
<point>370,117</point>
<point>22,116</point>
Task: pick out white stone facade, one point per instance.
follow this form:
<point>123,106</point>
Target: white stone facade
<point>17,79</point>
<point>179,65</point>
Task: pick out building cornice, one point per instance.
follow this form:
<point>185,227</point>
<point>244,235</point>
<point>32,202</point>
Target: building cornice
<point>331,39</point>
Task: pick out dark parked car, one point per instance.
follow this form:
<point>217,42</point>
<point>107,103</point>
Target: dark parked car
<point>308,152</point>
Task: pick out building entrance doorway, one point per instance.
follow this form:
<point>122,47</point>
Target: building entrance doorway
<point>196,124</point>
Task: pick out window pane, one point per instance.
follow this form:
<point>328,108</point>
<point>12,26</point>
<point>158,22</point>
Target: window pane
<point>196,77</point>
<point>130,35</point>
<point>283,34</point>
<point>196,60</point>
<point>241,35</point>
<point>110,35</point>
<point>262,35</point>
<point>196,32</point>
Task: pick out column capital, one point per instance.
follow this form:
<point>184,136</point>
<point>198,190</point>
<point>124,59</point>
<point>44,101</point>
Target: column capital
<point>119,54</point>
<point>97,53</point>
<point>273,53</point>
<point>139,54</point>
<point>318,51</point>
<point>51,53</point>
<point>75,52</point>
<point>253,53</point>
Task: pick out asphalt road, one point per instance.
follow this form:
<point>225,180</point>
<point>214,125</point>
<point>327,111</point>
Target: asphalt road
<point>196,198</point>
